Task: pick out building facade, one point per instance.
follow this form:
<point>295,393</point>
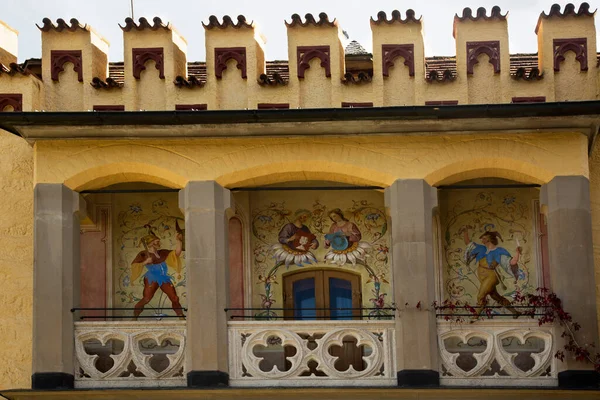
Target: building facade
<point>338,219</point>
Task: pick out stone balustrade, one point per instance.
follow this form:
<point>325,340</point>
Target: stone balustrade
<point>130,354</point>
<point>312,353</point>
<point>497,353</point>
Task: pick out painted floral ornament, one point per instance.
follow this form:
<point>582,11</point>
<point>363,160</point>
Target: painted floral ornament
<point>283,253</point>
<point>355,252</point>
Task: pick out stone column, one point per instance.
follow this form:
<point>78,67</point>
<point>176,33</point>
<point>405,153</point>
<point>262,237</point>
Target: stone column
<point>411,203</point>
<point>206,255</point>
<point>55,284</point>
<point>566,200</point>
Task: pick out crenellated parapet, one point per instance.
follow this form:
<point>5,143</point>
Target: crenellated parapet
<point>74,73</point>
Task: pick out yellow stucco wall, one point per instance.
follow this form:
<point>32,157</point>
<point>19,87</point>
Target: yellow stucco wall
<point>16,261</point>
<point>375,160</point>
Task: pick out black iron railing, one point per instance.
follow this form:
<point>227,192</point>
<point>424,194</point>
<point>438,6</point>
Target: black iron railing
<point>109,310</point>
<point>274,313</point>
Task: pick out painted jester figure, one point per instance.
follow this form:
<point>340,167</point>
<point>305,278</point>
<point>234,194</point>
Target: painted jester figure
<point>157,261</point>
<point>489,256</point>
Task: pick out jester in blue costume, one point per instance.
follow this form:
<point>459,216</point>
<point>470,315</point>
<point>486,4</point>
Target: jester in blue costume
<point>156,261</point>
<point>488,256</point>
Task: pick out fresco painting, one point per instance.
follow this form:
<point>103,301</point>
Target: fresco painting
<point>489,249</point>
<point>328,230</point>
<point>149,255</point>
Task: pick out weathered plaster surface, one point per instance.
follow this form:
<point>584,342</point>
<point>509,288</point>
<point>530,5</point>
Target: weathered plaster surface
<point>16,261</point>
<point>375,160</point>
<point>595,200</point>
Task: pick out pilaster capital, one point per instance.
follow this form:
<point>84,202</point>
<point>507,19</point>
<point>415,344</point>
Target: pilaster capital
<point>204,195</point>
<point>566,192</point>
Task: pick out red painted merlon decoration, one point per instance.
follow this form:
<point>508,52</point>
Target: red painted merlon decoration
<point>144,24</point>
<point>273,106</point>
<point>15,100</point>
<point>191,107</point>
<point>310,20</point>
<point>213,22</point>
<point>393,51</point>
<point>62,25</point>
<point>576,45</point>
<point>306,53</point>
<point>534,99</point>
<point>58,58</point>
<point>396,17</point>
<point>356,105</point>
<point>110,107</point>
<point>584,11</point>
<point>224,54</point>
<point>142,55</point>
<point>475,49</point>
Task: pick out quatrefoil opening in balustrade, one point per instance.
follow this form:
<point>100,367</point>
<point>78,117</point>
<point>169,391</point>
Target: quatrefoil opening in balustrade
<point>274,355</point>
<point>159,355</point>
<point>526,355</point>
<point>105,354</point>
<point>349,354</point>
<point>469,353</point>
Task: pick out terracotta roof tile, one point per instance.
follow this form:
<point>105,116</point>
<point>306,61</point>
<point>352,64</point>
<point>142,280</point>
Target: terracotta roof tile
<point>110,83</point>
<point>144,24</point>
<point>14,69</point>
<point>310,20</point>
<point>584,11</point>
<point>213,22</point>
<point>481,14</point>
<point>522,66</point>
<point>396,17</point>
<point>358,78</point>
<point>62,25</point>
<point>277,73</point>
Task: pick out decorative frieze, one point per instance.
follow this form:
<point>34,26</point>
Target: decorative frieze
<point>14,100</point>
<point>58,58</point>
<point>306,53</point>
<point>224,54</point>
<point>130,354</point>
<point>393,51</point>
<point>576,45</point>
<point>336,353</point>
<point>142,55</point>
<point>475,49</point>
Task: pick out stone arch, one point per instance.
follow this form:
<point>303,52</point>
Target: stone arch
<point>123,172</point>
<point>506,168</point>
<point>313,170</point>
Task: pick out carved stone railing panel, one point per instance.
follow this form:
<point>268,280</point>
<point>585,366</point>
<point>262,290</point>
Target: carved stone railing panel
<point>309,353</point>
<point>497,353</point>
<point>130,354</point>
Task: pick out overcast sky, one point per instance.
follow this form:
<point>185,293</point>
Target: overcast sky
<point>187,15</point>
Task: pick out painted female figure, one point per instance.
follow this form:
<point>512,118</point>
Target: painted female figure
<point>489,256</point>
<point>156,261</point>
<point>344,239</point>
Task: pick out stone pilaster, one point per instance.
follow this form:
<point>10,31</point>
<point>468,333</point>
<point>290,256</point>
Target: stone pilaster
<point>204,204</point>
<point>411,203</point>
<point>566,201</point>
<point>56,284</point>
